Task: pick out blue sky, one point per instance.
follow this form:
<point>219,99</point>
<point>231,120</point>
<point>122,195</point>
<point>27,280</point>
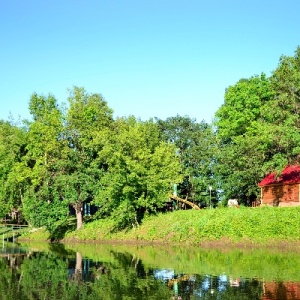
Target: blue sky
<point>149,58</point>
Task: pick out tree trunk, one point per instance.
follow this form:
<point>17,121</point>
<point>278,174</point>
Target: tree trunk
<point>78,268</point>
<point>78,210</point>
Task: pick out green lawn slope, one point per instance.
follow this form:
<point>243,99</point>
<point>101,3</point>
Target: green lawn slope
<point>224,225</point>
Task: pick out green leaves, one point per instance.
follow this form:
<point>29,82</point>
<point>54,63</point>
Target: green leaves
<point>242,106</point>
<point>87,113</point>
<point>78,153</point>
<point>195,147</point>
<point>12,152</point>
<point>258,128</point>
<point>140,171</point>
<point>44,207</point>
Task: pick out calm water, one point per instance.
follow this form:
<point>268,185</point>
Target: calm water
<point>45,271</point>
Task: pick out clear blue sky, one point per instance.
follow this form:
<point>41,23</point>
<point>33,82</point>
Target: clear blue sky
<point>148,58</point>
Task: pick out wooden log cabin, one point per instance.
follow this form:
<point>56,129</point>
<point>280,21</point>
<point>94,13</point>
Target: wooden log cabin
<point>282,190</point>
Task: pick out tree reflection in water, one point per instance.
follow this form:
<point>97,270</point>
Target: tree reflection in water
<point>65,274</point>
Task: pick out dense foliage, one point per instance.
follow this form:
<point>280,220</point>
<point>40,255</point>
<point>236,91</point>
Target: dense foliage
<point>76,154</point>
<point>258,128</point>
<point>196,147</point>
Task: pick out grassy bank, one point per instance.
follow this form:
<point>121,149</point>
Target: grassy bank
<point>251,225</point>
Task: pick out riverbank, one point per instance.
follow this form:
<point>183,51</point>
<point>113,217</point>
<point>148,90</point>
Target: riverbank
<point>222,227</point>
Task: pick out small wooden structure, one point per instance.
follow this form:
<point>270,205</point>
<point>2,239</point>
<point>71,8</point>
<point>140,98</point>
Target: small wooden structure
<point>282,190</point>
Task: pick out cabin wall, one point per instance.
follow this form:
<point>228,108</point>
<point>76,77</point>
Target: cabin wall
<point>280,194</point>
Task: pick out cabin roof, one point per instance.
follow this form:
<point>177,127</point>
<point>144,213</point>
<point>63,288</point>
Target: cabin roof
<point>290,175</point>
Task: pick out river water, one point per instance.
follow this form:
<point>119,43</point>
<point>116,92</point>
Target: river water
<point>107,271</point>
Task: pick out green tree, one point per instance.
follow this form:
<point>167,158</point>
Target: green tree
<point>195,144</point>
<point>140,172</point>
<point>240,154</point>
<point>41,204</point>
<point>282,114</point>
<point>285,82</point>
<point>80,170</point>
<point>258,128</point>
<point>12,151</point>
<point>60,167</point>
<point>242,107</point>
<point>239,168</point>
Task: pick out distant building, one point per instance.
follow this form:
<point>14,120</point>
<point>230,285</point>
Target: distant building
<point>282,190</point>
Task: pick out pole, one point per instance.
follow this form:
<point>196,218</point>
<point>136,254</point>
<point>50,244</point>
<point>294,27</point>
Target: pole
<point>210,188</point>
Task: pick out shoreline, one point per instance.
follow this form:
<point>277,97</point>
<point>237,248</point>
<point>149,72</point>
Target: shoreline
<point>222,244</point>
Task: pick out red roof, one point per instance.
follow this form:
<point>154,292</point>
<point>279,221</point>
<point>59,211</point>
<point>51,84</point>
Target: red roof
<point>290,175</point>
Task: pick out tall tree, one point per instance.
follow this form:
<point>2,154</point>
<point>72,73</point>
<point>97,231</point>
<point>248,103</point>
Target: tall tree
<point>41,204</point>
<point>141,171</point>
<point>285,82</point>
<point>88,115</point>
<point>258,128</point>
<point>12,151</point>
<point>242,107</point>
<point>60,166</point>
<point>240,149</point>
<point>195,146</point>
<point>282,114</point>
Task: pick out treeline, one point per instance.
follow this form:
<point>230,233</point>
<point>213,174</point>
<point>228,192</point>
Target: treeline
<point>76,152</point>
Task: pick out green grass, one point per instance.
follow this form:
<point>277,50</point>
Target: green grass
<point>254,225</point>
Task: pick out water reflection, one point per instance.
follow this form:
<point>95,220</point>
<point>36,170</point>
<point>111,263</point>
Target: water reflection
<point>281,290</point>
<point>212,287</point>
<point>139,272</point>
